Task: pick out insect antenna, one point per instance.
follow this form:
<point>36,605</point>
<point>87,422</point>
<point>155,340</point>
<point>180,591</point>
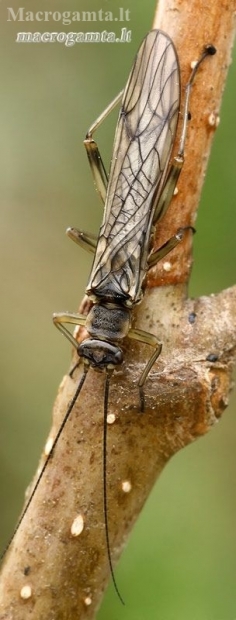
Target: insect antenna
<point>209,50</point>
<point>105,503</point>
<point>71,405</point>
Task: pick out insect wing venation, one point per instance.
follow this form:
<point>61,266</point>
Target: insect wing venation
<point>144,138</point>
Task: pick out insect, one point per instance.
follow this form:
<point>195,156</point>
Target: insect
<point>136,196</point>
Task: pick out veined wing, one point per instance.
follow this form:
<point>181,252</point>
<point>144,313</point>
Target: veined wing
<point>144,138</point>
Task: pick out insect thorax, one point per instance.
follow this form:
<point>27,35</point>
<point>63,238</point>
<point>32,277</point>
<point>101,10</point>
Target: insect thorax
<point>107,323</point>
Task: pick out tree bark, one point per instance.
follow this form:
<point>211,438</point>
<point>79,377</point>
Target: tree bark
<point>53,570</point>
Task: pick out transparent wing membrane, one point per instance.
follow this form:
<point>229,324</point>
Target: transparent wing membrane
<point>143,141</point>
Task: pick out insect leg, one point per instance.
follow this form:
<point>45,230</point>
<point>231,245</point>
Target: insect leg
<point>73,319</point>
<point>164,198</point>
<point>166,191</point>
<point>95,160</point>
<point>85,240</point>
<point>169,245</point>
<point>146,338</point>
<point>82,238</point>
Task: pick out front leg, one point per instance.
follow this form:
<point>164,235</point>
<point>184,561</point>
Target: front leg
<point>73,318</point>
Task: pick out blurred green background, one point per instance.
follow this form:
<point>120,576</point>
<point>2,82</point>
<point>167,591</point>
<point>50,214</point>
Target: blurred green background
<point>181,560</point>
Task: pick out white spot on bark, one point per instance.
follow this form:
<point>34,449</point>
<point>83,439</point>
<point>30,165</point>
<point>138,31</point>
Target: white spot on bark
<point>26,592</point>
<point>193,64</point>
<point>167,265</point>
<point>126,486</point>
<point>213,119</point>
<point>111,418</point>
<point>87,601</point>
<point>77,525</point>
<point>48,446</point>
